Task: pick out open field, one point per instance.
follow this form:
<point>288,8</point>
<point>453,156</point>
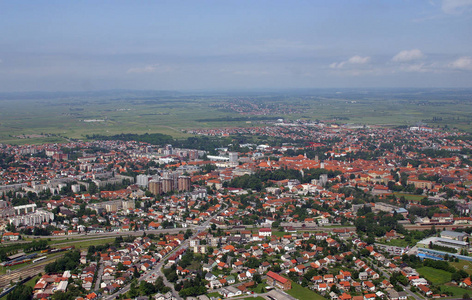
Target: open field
<point>398,242</point>
<point>463,265</point>
<point>435,276</point>
<point>54,117</point>
<point>457,291</point>
<point>409,197</point>
<point>302,293</point>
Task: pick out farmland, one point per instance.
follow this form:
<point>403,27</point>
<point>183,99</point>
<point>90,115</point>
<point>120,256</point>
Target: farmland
<point>55,117</point>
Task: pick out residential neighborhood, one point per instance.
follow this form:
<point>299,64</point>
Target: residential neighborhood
<point>338,213</point>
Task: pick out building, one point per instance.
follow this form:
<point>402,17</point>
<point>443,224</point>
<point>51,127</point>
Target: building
<point>233,157</point>
<point>167,185</point>
<point>458,236</point>
<point>36,218</point>
<point>142,180</point>
<point>25,209</point>
<point>184,183</point>
<point>155,187</point>
<point>267,232</point>
<point>276,280</point>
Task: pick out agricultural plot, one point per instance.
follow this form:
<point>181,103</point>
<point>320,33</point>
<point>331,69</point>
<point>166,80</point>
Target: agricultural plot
<point>50,117</point>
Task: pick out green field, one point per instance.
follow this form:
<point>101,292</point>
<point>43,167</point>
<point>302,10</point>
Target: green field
<point>435,276</point>
<point>409,197</point>
<point>214,294</point>
<point>302,293</point>
<point>81,243</point>
<point>259,287</point>
<point>457,291</point>
<point>56,117</point>
<point>463,265</point>
<point>399,242</point>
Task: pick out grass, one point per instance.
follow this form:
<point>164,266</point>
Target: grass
<point>302,293</point>
<point>214,294</point>
<point>409,197</point>
<point>81,243</point>
<point>435,276</point>
<point>399,242</point>
<point>280,233</point>
<point>137,112</point>
<point>3,270</point>
<point>32,281</point>
<point>259,287</point>
<point>463,265</point>
<point>455,290</point>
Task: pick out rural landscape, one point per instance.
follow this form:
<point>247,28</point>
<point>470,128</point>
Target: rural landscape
<point>56,117</point>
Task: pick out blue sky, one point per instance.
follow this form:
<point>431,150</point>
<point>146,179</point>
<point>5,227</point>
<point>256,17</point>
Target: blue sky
<point>226,44</point>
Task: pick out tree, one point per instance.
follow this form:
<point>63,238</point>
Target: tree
<point>257,278</point>
<point>93,189</point>
<point>21,292</point>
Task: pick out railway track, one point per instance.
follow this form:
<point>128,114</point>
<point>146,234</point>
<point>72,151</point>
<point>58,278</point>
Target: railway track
<point>23,272</point>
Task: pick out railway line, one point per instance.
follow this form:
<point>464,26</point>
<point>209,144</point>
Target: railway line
<point>32,269</point>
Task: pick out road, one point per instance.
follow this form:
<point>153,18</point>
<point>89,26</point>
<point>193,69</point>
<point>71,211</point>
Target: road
<point>157,269</point>
<point>99,277</point>
<point>406,289</point>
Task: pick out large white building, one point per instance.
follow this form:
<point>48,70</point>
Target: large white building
<point>36,218</point>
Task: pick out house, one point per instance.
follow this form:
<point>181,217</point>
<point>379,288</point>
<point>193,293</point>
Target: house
<point>11,236</point>
<point>276,280</point>
<point>368,286</point>
<point>265,232</point>
<point>345,296</point>
<point>425,290</point>
<point>210,276</point>
<point>215,284</point>
<point>230,291</point>
<point>369,297</point>
<point>322,287</point>
<point>466,283</point>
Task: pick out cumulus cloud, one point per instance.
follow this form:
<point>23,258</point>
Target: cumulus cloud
<point>456,7</point>
<point>145,69</point>
<point>462,63</point>
<point>355,60</point>
<point>408,55</point>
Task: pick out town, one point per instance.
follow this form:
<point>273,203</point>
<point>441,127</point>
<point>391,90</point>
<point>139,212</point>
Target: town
<point>316,210</point>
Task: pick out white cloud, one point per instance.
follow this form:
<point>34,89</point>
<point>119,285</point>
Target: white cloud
<point>455,7</point>
<point>355,60</point>
<point>145,69</point>
<point>408,55</point>
<point>462,63</point>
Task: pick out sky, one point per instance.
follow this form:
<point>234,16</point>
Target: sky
<point>234,44</point>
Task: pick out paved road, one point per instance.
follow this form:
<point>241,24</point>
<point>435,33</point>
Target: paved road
<point>406,289</point>
<point>99,276</point>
